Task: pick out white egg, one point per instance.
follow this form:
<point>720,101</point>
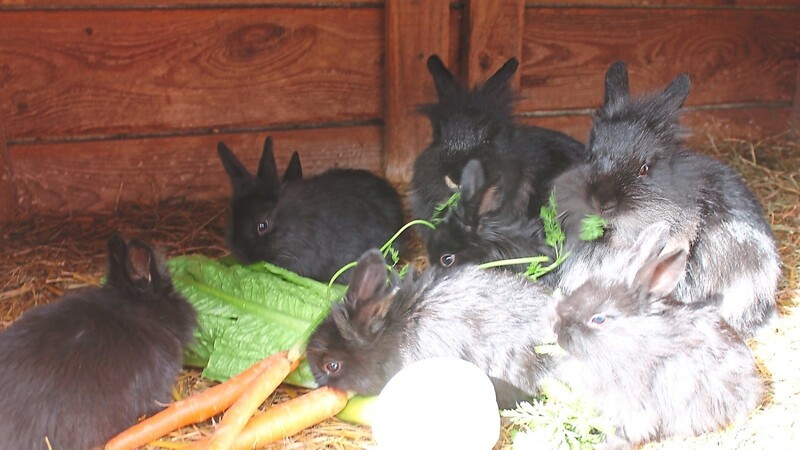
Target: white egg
<point>438,403</point>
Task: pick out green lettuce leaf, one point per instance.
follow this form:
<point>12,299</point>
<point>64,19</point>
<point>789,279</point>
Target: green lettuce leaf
<point>246,313</point>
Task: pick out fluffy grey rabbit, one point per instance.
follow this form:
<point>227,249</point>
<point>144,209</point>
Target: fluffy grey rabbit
<point>653,366</point>
<point>639,172</point>
<point>82,369</point>
<point>493,319</point>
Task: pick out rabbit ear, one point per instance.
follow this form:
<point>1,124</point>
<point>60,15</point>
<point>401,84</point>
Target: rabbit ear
<point>446,84</point>
<point>140,263</point>
<point>116,259</point>
<point>504,73</point>
<point>294,171</point>
<point>477,198</point>
<point>368,297</point>
<point>648,246</point>
<point>659,277</point>
<point>267,170</point>
<point>241,180</point>
<point>472,180</point>
<point>617,89</point>
<point>675,94</point>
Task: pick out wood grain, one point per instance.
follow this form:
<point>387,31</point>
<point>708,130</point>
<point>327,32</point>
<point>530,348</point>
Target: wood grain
<point>659,3</point>
<point>732,56</point>
<point>6,180</point>
<point>414,30</point>
<point>109,73</point>
<point>741,123</point>
<point>117,4</point>
<point>494,34</point>
<point>795,117</point>
<point>95,176</point>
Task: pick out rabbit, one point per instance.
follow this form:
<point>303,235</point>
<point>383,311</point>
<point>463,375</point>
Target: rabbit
<point>82,369</point>
<point>652,366</point>
<point>493,319</point>
<point>311,226</point>
<point>479,123</point>
<point>639,171</point>
<point>489,223</point>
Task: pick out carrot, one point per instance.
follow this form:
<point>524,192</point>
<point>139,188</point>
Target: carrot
<point>192,409</point>
<point>237,416</point>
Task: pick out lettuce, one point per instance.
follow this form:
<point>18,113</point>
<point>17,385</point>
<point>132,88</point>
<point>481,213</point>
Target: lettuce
<point>246,313</point>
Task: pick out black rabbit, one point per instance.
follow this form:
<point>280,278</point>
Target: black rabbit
<point>654,367</point>
<point>491,318</point>
<point>80,370</point>
<point>311,226</point>
<point>489,223</point>
<point>640,172</point>
<point>478,123</point>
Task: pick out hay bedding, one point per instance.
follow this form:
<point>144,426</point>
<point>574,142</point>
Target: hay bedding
<point>42,258</point>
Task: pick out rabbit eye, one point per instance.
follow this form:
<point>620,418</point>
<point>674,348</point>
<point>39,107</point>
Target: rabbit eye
<point>447,260</point>
<point>598,319</point>
<point>644,170</point>
<point>262,228</point>
<point>332,367</point>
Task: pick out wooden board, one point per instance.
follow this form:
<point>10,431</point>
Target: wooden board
<point>6,181</point>
<point>732,55</point>
<point>149,72</point>
<point>494,34</point>
<point>117,4</point>
<point>94,176</point>
<point>414,30</point>
<point>743,123</point>
<point>660,3</point>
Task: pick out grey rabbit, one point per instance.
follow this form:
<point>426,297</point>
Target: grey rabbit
<point>479,123</point>
<point>639,172</point>
<point>489,223</point>
<point>311,226</point>
<point>654,367</point>
<point>493,319</point>
<point>87,366</point>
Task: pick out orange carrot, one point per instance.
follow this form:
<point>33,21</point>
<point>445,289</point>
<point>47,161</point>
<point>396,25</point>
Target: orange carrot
<point>290,417</point>
<point>237,416</point>
<point>192,409</point>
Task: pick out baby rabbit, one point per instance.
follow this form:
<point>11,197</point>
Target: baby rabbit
<point>654,367</point>
<point>478,123</point>
<point>640,172</point>
<point>312,226</point>
<point>491,318</point>
<point>489,223</point>
<point>80,370</point>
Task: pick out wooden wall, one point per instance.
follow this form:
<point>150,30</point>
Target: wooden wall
<point>107,101</point>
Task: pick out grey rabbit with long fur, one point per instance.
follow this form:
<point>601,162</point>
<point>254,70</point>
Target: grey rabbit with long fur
<point>639,172</point>
<point>84,368</point>
<point>654,367</point>
<point>478,123</point>
<point>491,318</point>
<point>311,226</point>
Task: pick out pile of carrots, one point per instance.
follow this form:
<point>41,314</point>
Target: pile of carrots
<point>241,396</point>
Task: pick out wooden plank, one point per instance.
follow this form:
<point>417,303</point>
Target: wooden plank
<point>95,176</point>
<point>414,30</point>
<point>117,4</point>
<point>732,55</point>
<point>494,34</point>
<point>6,180</point>
<point>795,117</point>
<point>110,73</point>
<point>741,123</point>
<point>660,3</point>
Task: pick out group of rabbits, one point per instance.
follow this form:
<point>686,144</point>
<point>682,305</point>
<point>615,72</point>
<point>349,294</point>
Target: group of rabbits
<point>652,315</point>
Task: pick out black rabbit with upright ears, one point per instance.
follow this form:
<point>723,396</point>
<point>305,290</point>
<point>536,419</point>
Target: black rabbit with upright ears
<point>640,172</point>
<point>84,368</point>
<point>311,226</point>
<point>478,124</point>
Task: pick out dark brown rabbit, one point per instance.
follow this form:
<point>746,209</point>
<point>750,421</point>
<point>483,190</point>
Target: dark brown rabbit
<point>80,370</point>
<point>491,318</point>
<point>654,367</point>
<point>312,226</point>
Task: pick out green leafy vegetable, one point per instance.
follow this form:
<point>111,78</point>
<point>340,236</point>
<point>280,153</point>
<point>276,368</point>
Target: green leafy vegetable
<point>557,419</point>
<point>592,227</point>
<point>554,237</point>
<point>442,208</point>
<point>246,313</point>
